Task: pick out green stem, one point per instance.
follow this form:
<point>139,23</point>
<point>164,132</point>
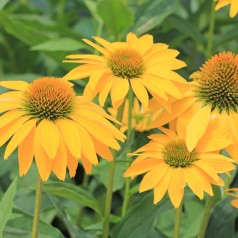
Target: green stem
<point>207,213</point>
<point>38,197</point>
<point>129,129</point>
<point>209,51</point>
<point>178,215</point>
<point>112,168</point>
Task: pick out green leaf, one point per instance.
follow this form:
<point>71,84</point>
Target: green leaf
<point>222,221</point>
<point>151,14</point>
<point>3,3</point>
<point>6,204</point>
<point>60,44</point>
<point>139,220</point>
<point>187,28</point>
<point>74,193</point>
<point>116,16</point>
<point>21,31</point>
<point>20,224</point>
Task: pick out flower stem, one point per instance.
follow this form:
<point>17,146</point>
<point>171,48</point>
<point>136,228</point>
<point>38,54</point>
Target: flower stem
<point>112,168</point>
<point>207,213</point>
<point>129,129</point>
<point>209,51</point>
<point>178,214</point>
<point>36,218</point>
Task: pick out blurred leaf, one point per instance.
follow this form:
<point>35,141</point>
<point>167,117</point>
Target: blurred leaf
<point>6,204</point>
<point>60,44</point>
<point>3,3</point>
<point>24,32</point>
<point>151,14</point>
<point>187,28</point>
<point>116,16</point>
<point>20,224</point>
<point>139,220</point>
<point>222,220</point>
<point>74,193</point>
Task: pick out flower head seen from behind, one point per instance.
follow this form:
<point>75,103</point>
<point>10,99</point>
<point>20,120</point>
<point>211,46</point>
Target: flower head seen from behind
<point>234,193</point>
<point>233,7</point>
<point>169,165</point>
<point>141,117</point>
<point>48,122</point>
<point>138,63</point>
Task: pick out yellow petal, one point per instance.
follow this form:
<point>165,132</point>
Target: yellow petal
<point>60,161</point>
<point>141,167</point>
<point>233,8</point>
<point>162,187</point>
<point>15,85</point>
<point>72,163</point>
<point>26,152</point>
<point>119,90</point>
<point>175,189</point>
<point>49,134</point>
<point>192,177</point>
<point>8,130</point>
<point>86,164</point>
<point>105,90</point>
<point>10,116</point>
<point>19,136</point>
<point>70,136</point>
<point>140,92</point>
<point>197,127</point>
<point>153,177</point>
<point>97,47</point>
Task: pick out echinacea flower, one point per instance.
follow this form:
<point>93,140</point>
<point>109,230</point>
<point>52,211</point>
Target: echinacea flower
<point>234,193</point>
<point>48,122</point>
<point>169,165</point>
<point>213,95</point>
<point>233,7</point>
<point>138,63</point>
<point>141,117</point>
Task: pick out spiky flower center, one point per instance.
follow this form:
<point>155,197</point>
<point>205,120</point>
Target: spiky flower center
<point>176,154</point>
<point>49,98</point>
<point>218,82</point>
<point>126,63</point>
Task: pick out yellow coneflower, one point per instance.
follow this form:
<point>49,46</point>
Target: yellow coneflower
<point>213,95</point>
<point>169,165</point>
<point>138,63</point>
<point>48,122</point>
<point>141,117</point>
<point>233,7</point>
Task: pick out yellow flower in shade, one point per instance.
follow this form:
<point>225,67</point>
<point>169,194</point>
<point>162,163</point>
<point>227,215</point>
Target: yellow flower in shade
<point>141,118</point>
<point>234,193</point>
<point>47,121</point>
<point>138,63</point>
<point>169,165</point>
<point>213,95</point>
<point>233,7</point>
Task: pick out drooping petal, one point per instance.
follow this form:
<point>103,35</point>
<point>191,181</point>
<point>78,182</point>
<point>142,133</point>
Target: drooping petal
<point>15,85</point>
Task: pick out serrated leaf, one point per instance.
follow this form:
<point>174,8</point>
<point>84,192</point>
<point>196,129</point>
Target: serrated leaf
<point>74,193</point>
<point>139,220</point>
<point>6,204</point>
<point>60,44</point>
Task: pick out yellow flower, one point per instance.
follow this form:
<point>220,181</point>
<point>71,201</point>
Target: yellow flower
<point>213,95</point>
<point>141,117</point>
<point>138,63</point>
<point>234,193</point>
<point>47,121</point>
<point>169,165</point>
<point>233,8</point>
